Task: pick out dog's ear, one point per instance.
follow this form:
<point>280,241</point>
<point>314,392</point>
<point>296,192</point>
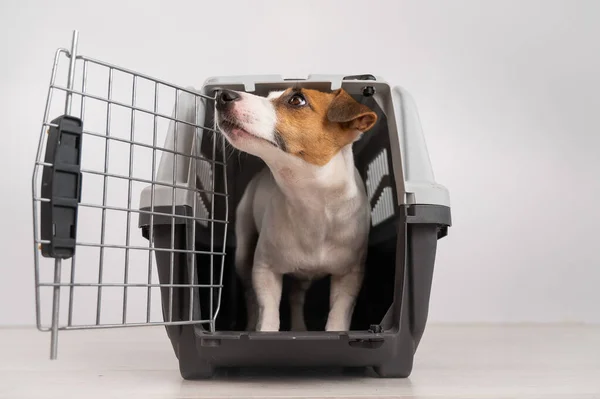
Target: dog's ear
<point>349,112</point>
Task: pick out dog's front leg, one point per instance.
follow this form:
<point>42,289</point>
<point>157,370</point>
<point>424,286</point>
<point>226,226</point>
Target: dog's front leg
<point>267,287</point>
<point>344,290</point>
<point>297,297</point>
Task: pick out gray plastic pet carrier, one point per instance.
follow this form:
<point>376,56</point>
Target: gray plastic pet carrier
<point>134,193</point>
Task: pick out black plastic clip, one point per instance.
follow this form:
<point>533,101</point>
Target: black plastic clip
<point>61,185</point>
<point>368,91</point>
<point>375,328</point>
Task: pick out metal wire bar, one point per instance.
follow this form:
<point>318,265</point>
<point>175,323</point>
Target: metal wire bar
<point>155,182</point>
<point>112,326</point>
<point>225,227</point>
<point>140,180</point>
<point>124,105</point>
<point>152,195</point>
<point>72,276</point>
<point>140,75</point>
<point>192,261</point>
<point>115,246</point>
<point>129,188</point>
<point>132,285</point>
<point>212,226</point>
<point>71,291</point>
<point>149,323</point>
<point>141,211</point>
<point>34,189</point>
<point>55,308</point>
<point>141,144</point>
<point>71,76</point>
<point>104,197</point>
<point>162,149</point>
<point>58,261</point>
<point>172,254</point>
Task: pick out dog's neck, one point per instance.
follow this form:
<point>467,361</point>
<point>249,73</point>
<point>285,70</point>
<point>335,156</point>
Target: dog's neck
<point>306,185</point>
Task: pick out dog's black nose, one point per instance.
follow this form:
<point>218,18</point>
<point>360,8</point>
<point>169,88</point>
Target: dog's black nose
<point>227,97</point>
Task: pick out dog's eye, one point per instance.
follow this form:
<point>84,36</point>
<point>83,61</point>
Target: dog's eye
<point>297,100</point>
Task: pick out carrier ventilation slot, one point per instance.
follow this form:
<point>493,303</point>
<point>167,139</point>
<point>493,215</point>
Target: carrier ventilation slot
<point>384,208</point>
<point>378,187</point>
<point>204,182</point>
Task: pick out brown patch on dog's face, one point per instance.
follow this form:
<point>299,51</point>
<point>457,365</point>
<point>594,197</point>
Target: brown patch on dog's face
<point>314,125</point>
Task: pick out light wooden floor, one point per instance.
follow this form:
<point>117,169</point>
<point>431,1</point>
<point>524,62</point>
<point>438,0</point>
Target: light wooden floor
<point>453,362</point>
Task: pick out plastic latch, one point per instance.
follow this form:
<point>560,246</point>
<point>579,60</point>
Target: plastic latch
<point>375,328</point>
<point>372,342</point>
<point>61,188</point>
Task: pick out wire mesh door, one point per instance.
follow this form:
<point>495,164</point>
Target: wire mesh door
<point>127,181</point>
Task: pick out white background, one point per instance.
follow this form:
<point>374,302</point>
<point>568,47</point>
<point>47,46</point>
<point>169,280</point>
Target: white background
<point>508,93</point>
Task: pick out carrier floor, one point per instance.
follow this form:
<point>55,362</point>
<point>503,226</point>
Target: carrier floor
<point>452,362</point>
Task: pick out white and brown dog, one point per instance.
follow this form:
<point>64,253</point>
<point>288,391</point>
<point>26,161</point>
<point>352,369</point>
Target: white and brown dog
<point>307,214</point>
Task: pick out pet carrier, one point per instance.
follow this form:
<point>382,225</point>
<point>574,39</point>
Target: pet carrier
<point>120,136</point>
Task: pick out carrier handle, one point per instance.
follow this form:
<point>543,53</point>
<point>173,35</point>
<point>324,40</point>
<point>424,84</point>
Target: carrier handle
<point>360,77</point>
<point>61,188</point>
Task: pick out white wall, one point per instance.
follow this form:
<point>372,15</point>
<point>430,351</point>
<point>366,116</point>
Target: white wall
<point>508,93</point>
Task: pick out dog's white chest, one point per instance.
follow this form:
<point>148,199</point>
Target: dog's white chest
<point>314,241</point>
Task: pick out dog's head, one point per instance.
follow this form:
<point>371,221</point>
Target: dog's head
<point>306,124</point>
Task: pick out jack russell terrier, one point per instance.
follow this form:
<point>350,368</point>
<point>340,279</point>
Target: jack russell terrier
<point>307,214</point>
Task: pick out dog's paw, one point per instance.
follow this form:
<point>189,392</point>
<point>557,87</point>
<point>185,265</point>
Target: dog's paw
<point>337,325</point>
<point>267,327</point>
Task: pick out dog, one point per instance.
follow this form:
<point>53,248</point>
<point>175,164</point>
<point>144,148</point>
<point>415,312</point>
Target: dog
<point>307,213</point>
